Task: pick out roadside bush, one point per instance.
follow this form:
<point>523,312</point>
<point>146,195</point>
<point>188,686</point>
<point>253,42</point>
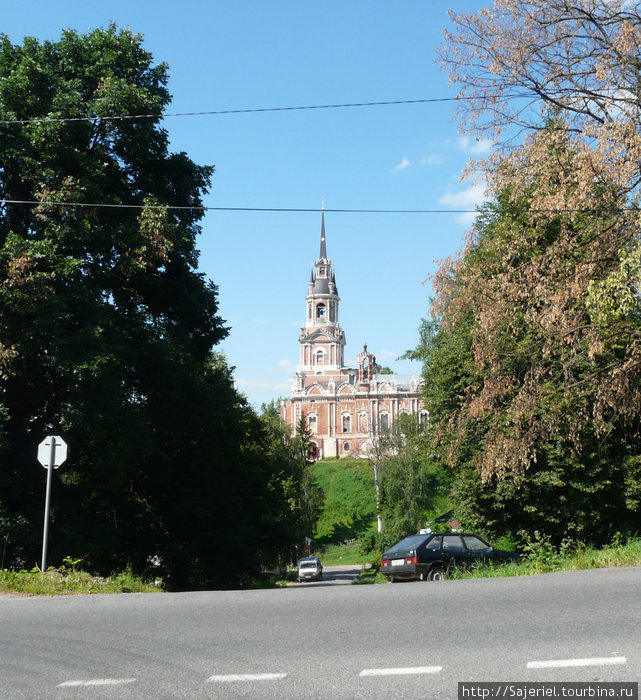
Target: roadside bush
<point>541,553</point>
<point>68,580</point>
<point>372,542</point>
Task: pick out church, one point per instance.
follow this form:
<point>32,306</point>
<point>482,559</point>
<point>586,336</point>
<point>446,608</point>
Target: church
<point>344,407</point>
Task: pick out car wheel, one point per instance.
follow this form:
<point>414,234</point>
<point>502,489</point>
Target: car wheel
<point>392,579</point>
<point>436,573</point>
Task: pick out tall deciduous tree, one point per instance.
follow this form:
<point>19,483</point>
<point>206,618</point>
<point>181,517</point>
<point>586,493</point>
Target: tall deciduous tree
<point>540,311</point>
<point>518,62</point>
<point>521,59</point>
<point>527,399</point>
<point>107,329</point>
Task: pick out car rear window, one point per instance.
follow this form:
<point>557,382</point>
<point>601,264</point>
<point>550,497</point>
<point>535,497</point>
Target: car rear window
<point>409,543</point>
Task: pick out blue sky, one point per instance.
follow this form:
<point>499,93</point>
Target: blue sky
<point>246,55</point>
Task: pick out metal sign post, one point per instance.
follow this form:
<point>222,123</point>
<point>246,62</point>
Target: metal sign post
<point>52,452</point>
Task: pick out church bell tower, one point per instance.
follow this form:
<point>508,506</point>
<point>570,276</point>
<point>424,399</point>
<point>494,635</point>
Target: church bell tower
<point>322,341</point>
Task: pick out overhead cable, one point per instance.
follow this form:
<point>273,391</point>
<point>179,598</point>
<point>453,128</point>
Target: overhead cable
<point>217,112</point>
<point>313,210</point>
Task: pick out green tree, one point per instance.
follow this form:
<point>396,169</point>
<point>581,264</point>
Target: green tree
<point>579,63</point>
<point>412,484</point>
<point>533,355</point>
<point>526,396</point>
<point>107,330</point>
<point>296,496</point>
<point>311,494</point>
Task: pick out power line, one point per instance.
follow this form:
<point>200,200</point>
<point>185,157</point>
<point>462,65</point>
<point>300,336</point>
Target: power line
<point>312,210</point>
<point>248,209</point>
<point>254,110</point>
<point>47,120</point>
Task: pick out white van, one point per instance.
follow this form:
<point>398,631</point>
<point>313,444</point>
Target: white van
<point>310,569</point>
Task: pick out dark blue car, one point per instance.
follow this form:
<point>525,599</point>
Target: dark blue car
<point>428,557</point>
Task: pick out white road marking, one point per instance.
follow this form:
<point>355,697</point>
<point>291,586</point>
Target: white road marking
<point>246,677</point>
<point>403,671</point>
<point>97,681</point>
<point>565,663</point>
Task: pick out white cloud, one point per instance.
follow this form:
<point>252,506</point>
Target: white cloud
<point>469,146</point>
<point>287,364</point>
<point>475,147</point>
<point>261,321</point>
<point>433,159</point>
<point>405,163</point>
<point>467,199</point>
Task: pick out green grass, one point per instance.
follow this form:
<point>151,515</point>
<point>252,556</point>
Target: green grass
<point>61,582</point>
<point>349,505</point>
<point>369,576</point>
<point>615,555</point>
<point>349,510</point>
<point>349,553</point>
<point>579,558</point>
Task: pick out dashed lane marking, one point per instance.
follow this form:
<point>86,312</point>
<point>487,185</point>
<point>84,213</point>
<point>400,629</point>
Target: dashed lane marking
<point>97,681</point>
<point>566,663</point>
<point>403,671</point>
<point>236,677</point>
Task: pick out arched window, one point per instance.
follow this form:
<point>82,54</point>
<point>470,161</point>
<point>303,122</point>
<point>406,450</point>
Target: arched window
<point>332,312</point>
<point>384,421</point>
<point>423,417</point>
<point>347,423</point>
<point>362,422</point>
<point>320,357</point>
<point>346,447</point>
<point>311,422</point>
<point>320,311</point>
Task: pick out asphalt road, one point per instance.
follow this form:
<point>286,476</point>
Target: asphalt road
<point>333,576</point>
<point>409,640</point>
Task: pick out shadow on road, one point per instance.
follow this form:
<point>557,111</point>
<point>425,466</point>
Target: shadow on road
<point>333,576</point>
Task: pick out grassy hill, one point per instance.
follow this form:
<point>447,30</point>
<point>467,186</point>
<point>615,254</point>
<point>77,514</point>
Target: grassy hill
<point>349,510</point>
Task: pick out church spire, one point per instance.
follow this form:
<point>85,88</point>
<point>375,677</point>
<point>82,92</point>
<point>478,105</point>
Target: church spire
<point>323,246</point>
<point>322,341</point>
